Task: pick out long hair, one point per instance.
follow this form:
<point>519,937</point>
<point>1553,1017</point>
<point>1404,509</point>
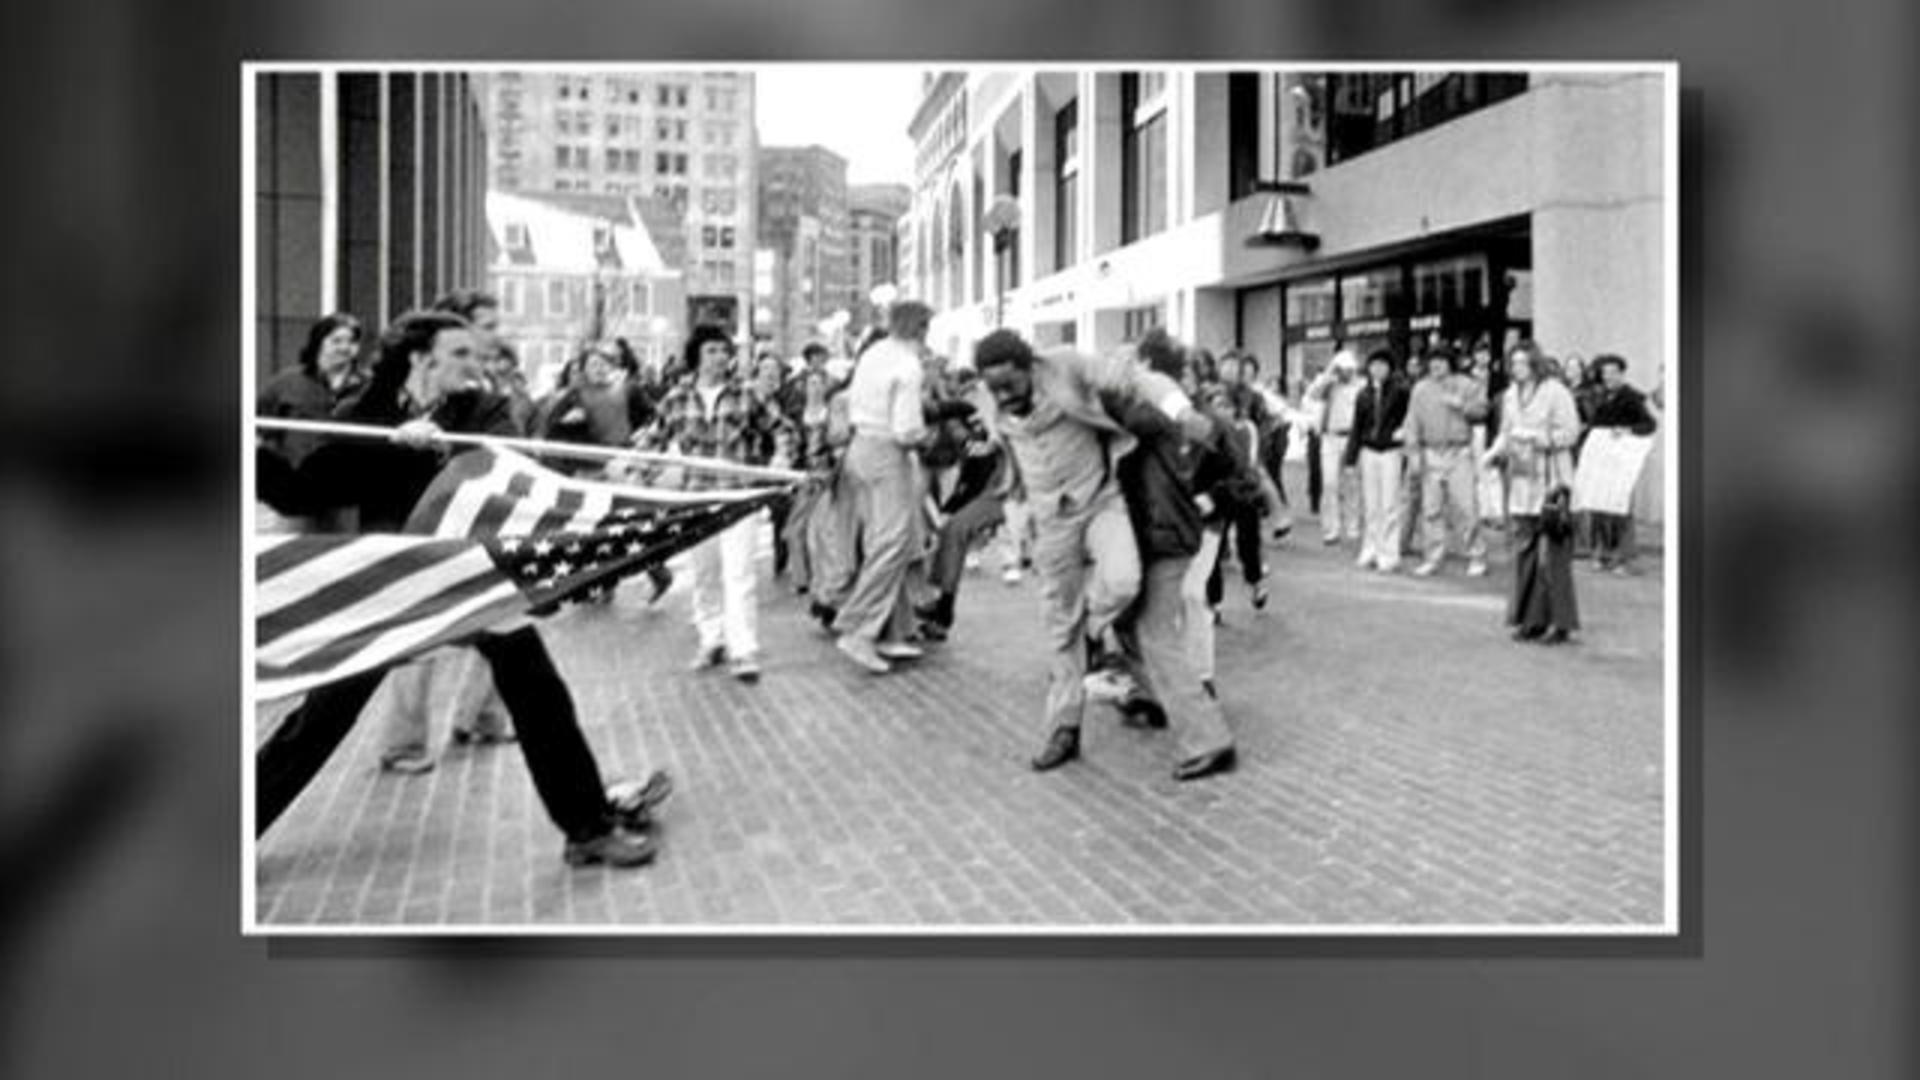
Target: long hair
<point>318,333</point>
<point>700,335</point>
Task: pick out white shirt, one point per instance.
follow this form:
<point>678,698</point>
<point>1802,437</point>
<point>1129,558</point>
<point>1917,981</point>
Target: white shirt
<point>884,397</point>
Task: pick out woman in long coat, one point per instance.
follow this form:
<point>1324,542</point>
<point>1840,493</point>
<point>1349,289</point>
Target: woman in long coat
<point>1539,425</point>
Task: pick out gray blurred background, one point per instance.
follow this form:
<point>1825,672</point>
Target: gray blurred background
<point>120,607</point>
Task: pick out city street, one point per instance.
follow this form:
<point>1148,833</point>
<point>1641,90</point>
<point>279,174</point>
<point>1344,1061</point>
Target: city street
<point>1402,762</point>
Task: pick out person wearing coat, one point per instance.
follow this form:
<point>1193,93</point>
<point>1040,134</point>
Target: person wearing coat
<point>1378,415</point>
<point>1539,425</point>
<point>1057,413</point>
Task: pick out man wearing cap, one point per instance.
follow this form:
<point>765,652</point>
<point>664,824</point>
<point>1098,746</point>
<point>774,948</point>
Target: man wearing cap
<point>1331,397</point>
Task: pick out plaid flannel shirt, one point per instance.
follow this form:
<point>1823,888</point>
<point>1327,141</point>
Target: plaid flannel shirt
<point>741,429</point>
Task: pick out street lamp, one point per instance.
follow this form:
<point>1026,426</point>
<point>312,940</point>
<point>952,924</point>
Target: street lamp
<point>1002,222</point>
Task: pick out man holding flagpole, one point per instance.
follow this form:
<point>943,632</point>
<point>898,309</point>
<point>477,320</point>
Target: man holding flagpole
<point>419,382</point>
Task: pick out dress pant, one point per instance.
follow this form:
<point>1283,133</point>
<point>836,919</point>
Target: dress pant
<point>456,677</point>
<point>1198,590</point>
<point>562,766</point>
<point>1613,539</point>
<point>1340,500</point>
<point>1381,486</point>
<point>725,609</point>
<point>834,541</point>
<point>1543,597</point>
<point>1244,530</point>
<point>1089,569</point>
<point>957,537</point>
<point>887,492</point>
<point>1166,672</point>
<point>1315,482</point>
<point>1450,503</point>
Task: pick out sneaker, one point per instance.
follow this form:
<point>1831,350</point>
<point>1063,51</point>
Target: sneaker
<point>407,762</point>
<point>711,657</point>
<point>899,650</point>
<point>746,669</point>
<point>1427,569</point>
<point>1012,575</point>
<point>1260,597</point>
<point>615,847</point>
<point>861,651</point>
<point>1364,562</point>
<point>1109,685</point>
<point>1477,568</point>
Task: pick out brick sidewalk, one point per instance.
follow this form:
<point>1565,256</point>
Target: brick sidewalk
<point>1402,762</point>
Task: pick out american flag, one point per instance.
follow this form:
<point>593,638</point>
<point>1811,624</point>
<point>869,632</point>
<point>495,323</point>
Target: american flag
<point>496,536</point>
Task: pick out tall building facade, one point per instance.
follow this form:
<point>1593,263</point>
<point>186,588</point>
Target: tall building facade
<point>368,193</point>
<point>571,270</point>
<point>1288,212</point>
<point>874,213</point>
<point>686,139</point>
<point>804,228</point>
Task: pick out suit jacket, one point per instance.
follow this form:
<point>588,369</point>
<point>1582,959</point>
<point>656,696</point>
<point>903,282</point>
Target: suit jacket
<point>1097,391</point>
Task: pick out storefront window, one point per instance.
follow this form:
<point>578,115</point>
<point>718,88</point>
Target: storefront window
<point>1310,303</point>
<point>1369,295</point>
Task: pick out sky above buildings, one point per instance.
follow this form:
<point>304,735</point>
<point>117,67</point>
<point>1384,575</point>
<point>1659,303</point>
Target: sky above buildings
<point>858,111</point>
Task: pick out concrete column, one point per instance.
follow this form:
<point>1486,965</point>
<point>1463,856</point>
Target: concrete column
<point>1036,182</point>
<point>1209,149</point>
<point>1101,125</point>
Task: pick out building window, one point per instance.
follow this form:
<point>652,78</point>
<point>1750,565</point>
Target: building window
<point>516,236</point>
<point>1368,111</point>
<point>1066,188</point>
<point>662,164</point>
<point>510,295</point>
<point>1135,322</point>
<point>708,237</point>
<point>1143,167</point>
<point>557,297</point>
<point>679,131</point>
<point>641,299</point>
<point>633,97</point>
<point>562,156</point>
<point>613,160</point>
<point>726,236</point>
<point>680,97</point>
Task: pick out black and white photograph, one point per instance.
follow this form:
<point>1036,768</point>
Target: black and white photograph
<point>1090,499</point>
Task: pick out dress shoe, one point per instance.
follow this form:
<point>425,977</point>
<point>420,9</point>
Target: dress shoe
<point>746,669</point>
<point>862,652</point>
<point>1216,761</point>
<point>1559,635</point>
<point>1527,633</point>
<point>1260,597</point>
<point>711,657</point>
<point>615,847</point>
<point>633,803</point>
<point>899,650</point>
<point>1477,568</point>
<point>934,632</point>
<point>660,586</point>
<point>823,614</point>
<point>1062,746</point>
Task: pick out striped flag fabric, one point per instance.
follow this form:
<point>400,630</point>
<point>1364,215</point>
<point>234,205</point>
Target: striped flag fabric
<point>496,536</point>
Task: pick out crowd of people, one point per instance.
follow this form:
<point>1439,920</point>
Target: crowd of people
<point>1127,484</point>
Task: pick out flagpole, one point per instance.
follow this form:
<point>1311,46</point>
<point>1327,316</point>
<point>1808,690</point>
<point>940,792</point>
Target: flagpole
<point>536,446</point>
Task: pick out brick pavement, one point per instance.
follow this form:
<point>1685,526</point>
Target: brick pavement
<point>1402,763</point>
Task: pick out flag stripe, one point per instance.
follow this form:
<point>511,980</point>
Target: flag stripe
<point>499,507</point>
<point>443,572</point>
<point>475,614</point>
<point>271,562</point>
<point>373,642</point>
<point>333,558</point>
<point>466,502</point>
<point>376,571</point>
<point>560,511</point>
<point>540,495</point>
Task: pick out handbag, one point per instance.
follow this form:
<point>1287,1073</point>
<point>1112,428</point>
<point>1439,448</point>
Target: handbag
<point>1556,510</point>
